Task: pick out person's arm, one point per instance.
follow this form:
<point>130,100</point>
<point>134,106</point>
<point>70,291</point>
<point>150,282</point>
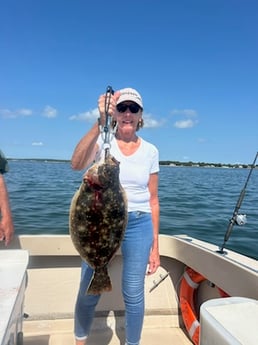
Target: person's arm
<point>86,149</point>
<point>6,221</point>
<point>154,260</point>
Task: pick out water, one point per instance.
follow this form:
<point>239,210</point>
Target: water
<point>198,202</point>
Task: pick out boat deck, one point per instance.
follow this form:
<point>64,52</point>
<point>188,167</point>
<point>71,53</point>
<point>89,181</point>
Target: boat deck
<point>53,276</point>
<point>56,280</point>
<point>59,332</point>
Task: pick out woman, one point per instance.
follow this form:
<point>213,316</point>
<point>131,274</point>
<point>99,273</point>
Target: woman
<point>139,166</point>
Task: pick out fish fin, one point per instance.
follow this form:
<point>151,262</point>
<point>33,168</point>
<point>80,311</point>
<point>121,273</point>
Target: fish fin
<point>100,282</point>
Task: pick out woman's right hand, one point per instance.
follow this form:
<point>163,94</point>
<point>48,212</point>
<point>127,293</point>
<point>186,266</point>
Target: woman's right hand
<point>111,109</point>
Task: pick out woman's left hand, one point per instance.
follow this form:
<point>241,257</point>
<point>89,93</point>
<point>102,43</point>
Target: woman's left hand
<point>154,262</point>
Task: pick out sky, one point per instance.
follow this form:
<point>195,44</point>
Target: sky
<point>195,63</point>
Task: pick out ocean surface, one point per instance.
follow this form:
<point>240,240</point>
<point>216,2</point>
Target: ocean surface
<point>195,201</point>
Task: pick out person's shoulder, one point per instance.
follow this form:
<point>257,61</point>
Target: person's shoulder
<point>3,163</point>
<point>149,145</point>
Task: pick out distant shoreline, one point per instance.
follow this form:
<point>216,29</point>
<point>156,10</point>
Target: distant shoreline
<point>206,165</point>
<point>39,160</point>
<point>162,163</point>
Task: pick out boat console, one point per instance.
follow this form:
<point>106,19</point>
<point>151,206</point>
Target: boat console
<point>13,266</point>
<point>231,320</point>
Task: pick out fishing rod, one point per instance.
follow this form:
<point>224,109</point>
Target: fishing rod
<point>238,219</point>
<point>107,127</point>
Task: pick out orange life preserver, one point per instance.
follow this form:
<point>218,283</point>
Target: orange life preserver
<point>189,285</point>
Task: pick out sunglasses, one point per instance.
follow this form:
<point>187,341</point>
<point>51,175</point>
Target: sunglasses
<point>133,107</point>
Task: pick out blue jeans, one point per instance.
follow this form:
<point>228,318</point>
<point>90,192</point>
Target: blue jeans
<point>135,248</point>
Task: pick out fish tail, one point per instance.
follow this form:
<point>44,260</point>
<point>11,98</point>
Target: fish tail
<point>100,282</point>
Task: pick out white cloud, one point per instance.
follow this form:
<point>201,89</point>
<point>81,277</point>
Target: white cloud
<point>13,114</point>
<point>185,123</point>
<point>25,112</point>
<point>37,143</point>
<point>185,112</point>
<point>88,116</point>
<point>188,120</point>
<point>150,122</point>
<point>49,112</point>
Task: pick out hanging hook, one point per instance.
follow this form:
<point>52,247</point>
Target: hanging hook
<point>107,131</point>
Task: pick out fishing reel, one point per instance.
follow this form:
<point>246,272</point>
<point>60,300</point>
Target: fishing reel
<point>241,219</point>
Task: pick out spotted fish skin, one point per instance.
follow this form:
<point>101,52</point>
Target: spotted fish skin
<point>98,218</point>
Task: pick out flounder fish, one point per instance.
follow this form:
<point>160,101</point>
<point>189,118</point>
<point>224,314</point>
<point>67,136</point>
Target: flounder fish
<point>98,218</point>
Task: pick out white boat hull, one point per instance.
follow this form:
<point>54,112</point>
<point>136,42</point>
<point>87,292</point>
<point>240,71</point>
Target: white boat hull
<point>53,280</point>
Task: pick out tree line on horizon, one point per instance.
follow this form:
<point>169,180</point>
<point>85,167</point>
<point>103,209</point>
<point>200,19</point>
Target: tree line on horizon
<point>205,164</point>
<point>166,162</point>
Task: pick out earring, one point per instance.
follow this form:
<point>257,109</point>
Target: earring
<point>113,124</point>
<point>140,124</point>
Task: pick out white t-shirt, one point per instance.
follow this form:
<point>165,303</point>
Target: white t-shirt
<point>135,172</point>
